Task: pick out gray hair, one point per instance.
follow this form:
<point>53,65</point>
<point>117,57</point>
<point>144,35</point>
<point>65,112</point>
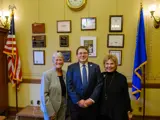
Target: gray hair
<point>55,55</point>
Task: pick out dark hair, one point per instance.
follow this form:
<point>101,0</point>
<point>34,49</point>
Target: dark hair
<point>82,47</point>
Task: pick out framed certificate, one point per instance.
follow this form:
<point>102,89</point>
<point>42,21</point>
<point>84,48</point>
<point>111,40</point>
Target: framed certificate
<point>38,57</point>
<point>115,40</point>
<point>64,26</point>
<point>116,23</point>
<point>118,54</point>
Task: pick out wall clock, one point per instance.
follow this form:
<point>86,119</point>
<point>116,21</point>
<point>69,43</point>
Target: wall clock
<point>76,4</point>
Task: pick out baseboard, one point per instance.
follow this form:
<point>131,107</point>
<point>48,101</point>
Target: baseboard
<point>147,117</point>
<point>147,85</point>
<point>13,111</point>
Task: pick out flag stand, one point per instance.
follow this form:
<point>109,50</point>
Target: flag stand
<point>12,32</point>
<point>13,59</point>
<point>144,92</point>
<point>16,98</point>
<point>139,63</point>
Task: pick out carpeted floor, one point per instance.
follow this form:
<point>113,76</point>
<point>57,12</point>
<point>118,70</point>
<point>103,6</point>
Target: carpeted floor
<point>13,118</point>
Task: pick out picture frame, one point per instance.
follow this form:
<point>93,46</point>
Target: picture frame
<point>38,57</point>
<point>90,43</point>
<point>115,40</point>
<point>63,40</point>
<point>64,26</point>
<point>116,23</point>
<point>118,54</point>
<point>38,28</point>
<point>66,54</point>
<point>88,23</point>
<point>38,41</point>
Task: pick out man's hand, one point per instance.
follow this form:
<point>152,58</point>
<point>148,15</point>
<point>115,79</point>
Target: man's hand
<point>81,103</point>
<point>88,102</point>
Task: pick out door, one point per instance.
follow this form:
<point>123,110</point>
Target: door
<point>3,75</point>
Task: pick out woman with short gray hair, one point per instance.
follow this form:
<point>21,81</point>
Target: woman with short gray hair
<point>53,90</point>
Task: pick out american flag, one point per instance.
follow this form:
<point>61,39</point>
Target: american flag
<point>13,59</point>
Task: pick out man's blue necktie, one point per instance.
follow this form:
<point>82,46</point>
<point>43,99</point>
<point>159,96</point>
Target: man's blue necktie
<point>85,81</point>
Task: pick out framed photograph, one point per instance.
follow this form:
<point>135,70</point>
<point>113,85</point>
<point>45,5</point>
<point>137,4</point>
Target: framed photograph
<point>38,57</point>
<point>88,23</point>
<point>118,54</point>
<point>116,23</point>
<point>64,26</point>
<point>90,43</point>
<point>115,41</point>
<point>64,40</point>
<point>66,54</point>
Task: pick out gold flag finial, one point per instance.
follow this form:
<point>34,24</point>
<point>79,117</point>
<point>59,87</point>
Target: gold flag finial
<point>141,4</point>
<point>12,7</point>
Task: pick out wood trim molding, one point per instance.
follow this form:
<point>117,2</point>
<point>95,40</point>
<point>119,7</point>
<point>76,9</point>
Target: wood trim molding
<point>147,117</point>
<point>31,81</point>
<point>3,30</point>
<point>12,112</point>
<point>148,85</point>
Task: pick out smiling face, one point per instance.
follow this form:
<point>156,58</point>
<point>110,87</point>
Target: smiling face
<point>110,66</point>
<point>110,63</point>
<point>82,55</point>
<point>58,62</point>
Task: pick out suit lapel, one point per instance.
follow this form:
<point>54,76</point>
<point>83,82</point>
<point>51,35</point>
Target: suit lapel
<point>55,77</point>
<point>78,71</point>
<point>89,71</point>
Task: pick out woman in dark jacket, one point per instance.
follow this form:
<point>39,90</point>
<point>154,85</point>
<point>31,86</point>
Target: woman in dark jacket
<point>114,100</point>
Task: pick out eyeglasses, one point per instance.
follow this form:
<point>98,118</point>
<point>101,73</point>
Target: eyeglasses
<point>80,53</point>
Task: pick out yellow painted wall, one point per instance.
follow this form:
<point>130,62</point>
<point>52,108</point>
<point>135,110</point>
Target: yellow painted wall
<point>49,11</point>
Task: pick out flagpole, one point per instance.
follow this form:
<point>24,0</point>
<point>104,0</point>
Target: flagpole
<point>12,7</point>
<point>144,92</point>
<point>16,98</point>
<point>144,82</point>
<point>139,62</point>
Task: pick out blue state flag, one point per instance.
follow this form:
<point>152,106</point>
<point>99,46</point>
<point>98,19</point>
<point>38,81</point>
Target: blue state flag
<point>140,58</point>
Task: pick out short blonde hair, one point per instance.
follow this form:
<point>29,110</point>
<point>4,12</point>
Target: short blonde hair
<point>55,55</point>
<point>110,57</point>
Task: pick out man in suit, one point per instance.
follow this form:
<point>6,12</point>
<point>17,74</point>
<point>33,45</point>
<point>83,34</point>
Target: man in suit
<point>83,85</point>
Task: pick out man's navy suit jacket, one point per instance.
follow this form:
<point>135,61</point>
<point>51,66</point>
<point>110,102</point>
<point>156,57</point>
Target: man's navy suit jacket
<point>75,86</point>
